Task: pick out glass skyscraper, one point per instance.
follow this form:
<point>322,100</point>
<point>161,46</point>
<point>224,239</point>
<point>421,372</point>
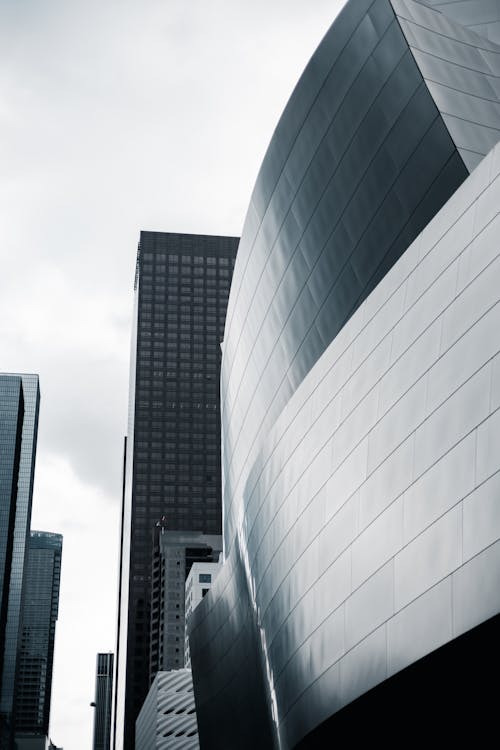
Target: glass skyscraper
<point>19,406</point>
<point>38,625</point>
<point>172,466</point>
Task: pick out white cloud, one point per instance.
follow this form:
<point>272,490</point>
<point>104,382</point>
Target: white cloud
<point>89,523</point>
<point>116,116</point>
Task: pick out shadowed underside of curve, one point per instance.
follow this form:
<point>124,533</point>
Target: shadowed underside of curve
<point>443,698</point>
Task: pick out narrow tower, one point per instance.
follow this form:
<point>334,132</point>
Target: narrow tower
<point>173,444</point>
<point>102,701</point>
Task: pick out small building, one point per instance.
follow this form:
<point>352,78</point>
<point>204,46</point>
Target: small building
<point>167,719</point>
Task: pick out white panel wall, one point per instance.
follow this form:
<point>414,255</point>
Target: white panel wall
<point>374,524</point>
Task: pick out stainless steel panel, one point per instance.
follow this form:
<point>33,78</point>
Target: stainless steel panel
<point>370,605</point>
<point>397,424</point>
<point>481,517</point>
<point>388,481</point>
<point>438,551</point>
<point>437,259</point>
<point>482,251</point>
<point>424,311</point>
<point>378,543</point>
<point>346,479</point>
<point>364,666</point>
<point>420,627</point>
<point>440,488</point>
<point>495,383</point>
<point>347,437</point>
<point>410,366</point>
<point>362,380</point>
<point>476,593</point>
<point>472,303</point>
<point>373,332</point>
<point>487,448</point>
<point>337,533</point>
<point>472,351</point>
<point>334,586</point>
<point>327,643</point>
<point>451,422</point>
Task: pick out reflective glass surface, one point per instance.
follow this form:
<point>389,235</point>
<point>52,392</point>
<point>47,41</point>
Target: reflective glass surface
<point>38,625</point>
<point>18,525</point>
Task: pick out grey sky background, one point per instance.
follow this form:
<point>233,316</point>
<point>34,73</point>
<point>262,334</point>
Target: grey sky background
<point>116,116</point>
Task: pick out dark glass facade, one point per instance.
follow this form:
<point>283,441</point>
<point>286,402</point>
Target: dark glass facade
<point>36,651</point>
<point>102,701</point>
<point>356,377</point>
<point>173,446</point>
<point>19,398</point>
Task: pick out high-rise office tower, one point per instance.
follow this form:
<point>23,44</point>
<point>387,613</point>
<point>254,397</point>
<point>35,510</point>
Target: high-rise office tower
<point>173,446</point>
<point>36,651</point>
<point>102,702</point>
<point>19,405</point>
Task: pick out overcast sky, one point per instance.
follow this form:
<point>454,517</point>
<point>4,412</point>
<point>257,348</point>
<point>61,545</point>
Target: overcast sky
<point>116,116</point>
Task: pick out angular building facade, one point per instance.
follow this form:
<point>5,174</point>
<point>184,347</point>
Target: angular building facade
<point>103,701</point>
<point>173,444</point>
<point>359,395</point>
<point>38,627</point>
<point>19,407</point>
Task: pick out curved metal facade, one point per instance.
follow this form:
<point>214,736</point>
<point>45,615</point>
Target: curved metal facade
<point>481,16</point>
<point>461,71</point>
<point>359,163</point>
<point>353,431</point>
